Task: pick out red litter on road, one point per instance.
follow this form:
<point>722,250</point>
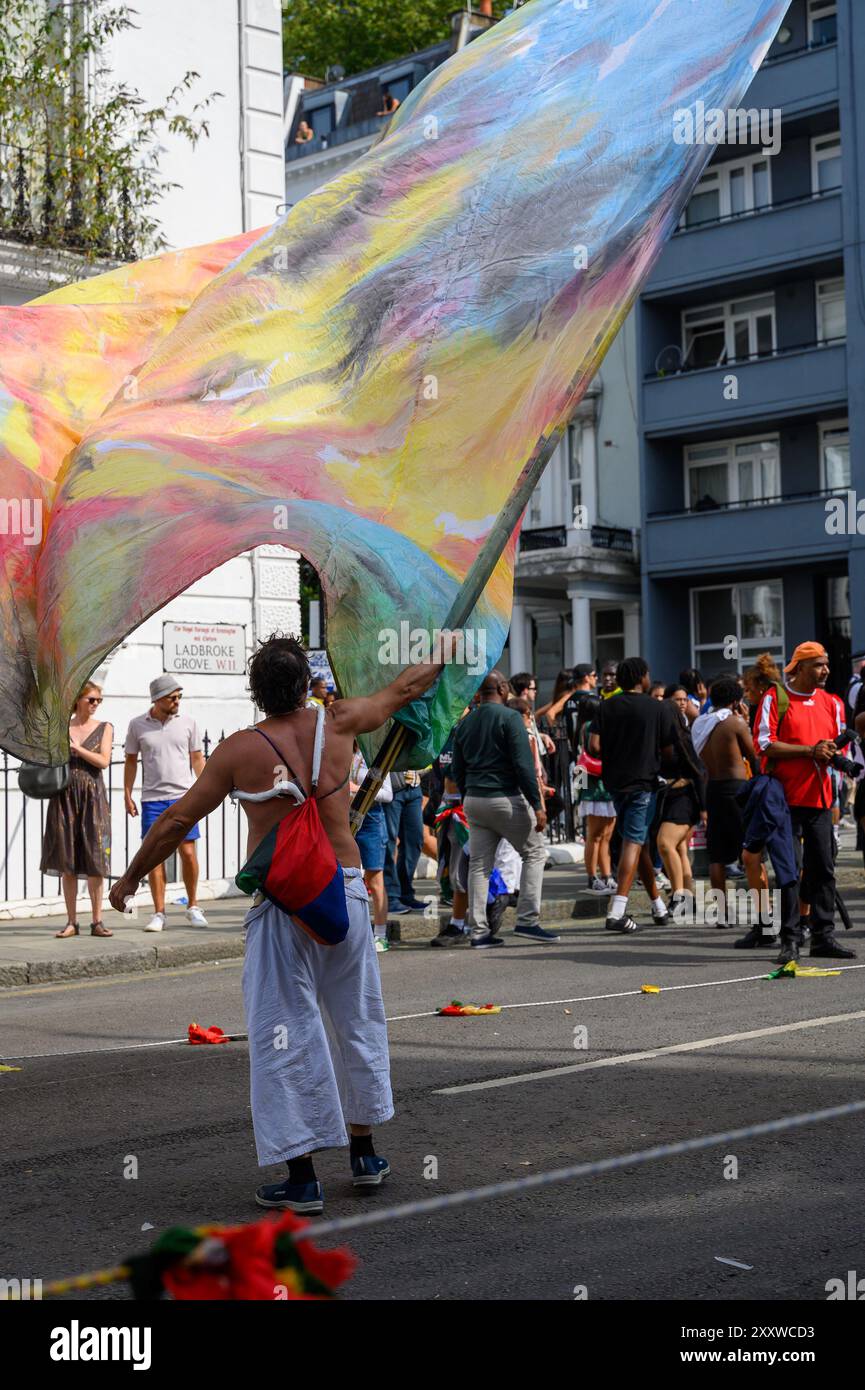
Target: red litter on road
<point>197,1034</point>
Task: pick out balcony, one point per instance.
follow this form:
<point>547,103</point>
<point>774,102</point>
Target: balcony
<point>782,529</point>
<point>55,201</point>
<point>806,80</point>
<point>798,232</point>
<point>340,135</point>
<point>794,381</point>
<point>543,538</point>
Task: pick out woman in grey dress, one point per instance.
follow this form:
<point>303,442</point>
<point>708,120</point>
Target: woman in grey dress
<point>77,838</point>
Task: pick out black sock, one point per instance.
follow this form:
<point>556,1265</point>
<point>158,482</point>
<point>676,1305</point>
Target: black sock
<point>360,1146</point>
<point>300,1170</point>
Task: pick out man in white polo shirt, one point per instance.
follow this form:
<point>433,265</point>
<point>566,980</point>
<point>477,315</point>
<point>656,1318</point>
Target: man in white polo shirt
<point>171,758</point>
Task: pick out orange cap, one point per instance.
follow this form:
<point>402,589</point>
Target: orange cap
<point>804,652</point>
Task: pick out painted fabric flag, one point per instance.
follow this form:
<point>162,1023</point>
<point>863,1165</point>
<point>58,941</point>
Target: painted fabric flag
<point>63,359</point>
<point>372,378</point>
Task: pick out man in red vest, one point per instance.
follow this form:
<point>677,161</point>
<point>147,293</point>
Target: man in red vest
<point>797,747</point>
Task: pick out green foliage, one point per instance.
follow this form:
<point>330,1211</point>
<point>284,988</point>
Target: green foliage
<point>79,151</point>
<point>360,34</point>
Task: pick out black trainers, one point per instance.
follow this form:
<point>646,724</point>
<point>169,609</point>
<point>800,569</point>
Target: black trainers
<point>660,919</point>
<point>450,936</point>
<point>536,933</point>
<point>753,939</point>
<point>831,949</point>
<point>788,953</point>
<point>481,942</point>
<point>626,925</point>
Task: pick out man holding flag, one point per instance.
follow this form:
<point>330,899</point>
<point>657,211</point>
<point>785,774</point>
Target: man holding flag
<point>317,1034</point>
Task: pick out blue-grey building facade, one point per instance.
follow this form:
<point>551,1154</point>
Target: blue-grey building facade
<point>751,333</point>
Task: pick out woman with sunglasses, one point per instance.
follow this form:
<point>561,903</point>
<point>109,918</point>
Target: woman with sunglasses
<point>77,838</point>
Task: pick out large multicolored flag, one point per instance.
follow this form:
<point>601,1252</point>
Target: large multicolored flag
<point>374,380</point>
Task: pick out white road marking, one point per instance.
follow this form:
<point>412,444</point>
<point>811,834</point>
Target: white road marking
<point>22,991</point>
<point>621,994</point>
<point>627,1057</point>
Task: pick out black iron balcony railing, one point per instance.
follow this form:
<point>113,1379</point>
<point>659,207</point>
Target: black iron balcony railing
<point>784,53</point>
<point>776,205</point>
<point>613,538</point>
<point>55,200</point>
<point>709,505</point>
<point>543,538</point>
<point>729,360</point>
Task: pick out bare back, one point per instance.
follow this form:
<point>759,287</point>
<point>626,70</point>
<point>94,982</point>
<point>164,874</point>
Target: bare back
<point>255,768</point>
<point>726,750</point>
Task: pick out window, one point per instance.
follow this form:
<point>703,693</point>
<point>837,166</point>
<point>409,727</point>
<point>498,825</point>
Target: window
<point>753,613</point>
<point>744,471</point>
<point>826,163</point>
<point>835,455</point>
<point>398,87</point>
<point>822,21</point>
<point>831,311</point>
<point>535,506</point>
<point>729,332</point>
<point>321,120</point>
<point>608,634</point>
<point>728,190</point>
<point>575,475</point>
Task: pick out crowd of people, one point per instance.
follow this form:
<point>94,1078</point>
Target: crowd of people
<point>759,760</point>
<point>758,768</point>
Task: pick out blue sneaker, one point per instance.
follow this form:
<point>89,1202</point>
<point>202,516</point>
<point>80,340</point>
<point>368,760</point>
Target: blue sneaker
<point>397,910</point>
<point>369,1171</point>
<point>305,1198</point>
<point>536,933</point>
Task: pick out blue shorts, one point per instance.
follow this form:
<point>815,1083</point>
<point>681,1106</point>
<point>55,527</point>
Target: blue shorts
<point>635,812</point>
<point>371,839</point>
<point>151,810</point>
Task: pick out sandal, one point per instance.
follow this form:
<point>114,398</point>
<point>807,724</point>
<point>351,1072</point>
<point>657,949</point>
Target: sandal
<point>97,929</point>
<point>71,929</point>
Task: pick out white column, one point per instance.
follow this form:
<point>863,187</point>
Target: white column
<point>581,627</point>
<point>632,629</point>
<point>520,654</point>
<point>589,471</point>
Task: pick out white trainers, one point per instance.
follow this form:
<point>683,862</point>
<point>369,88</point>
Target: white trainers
<point>195,917</point>
<point>156,923</point>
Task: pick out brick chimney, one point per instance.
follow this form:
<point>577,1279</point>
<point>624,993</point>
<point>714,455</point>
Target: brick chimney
<point>485,7</point>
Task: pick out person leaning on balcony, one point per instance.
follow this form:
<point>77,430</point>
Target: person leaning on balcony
<point>304,133</point>
<point>77,838</point>
<point>389,105</point>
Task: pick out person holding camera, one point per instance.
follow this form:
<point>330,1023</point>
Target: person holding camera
<point>798,745</point>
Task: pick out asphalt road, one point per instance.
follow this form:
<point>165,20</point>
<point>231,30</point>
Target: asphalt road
<point>71,1120</point>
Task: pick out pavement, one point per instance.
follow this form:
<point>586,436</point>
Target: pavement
<point>30,953</point>
<point>115,1128</point>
